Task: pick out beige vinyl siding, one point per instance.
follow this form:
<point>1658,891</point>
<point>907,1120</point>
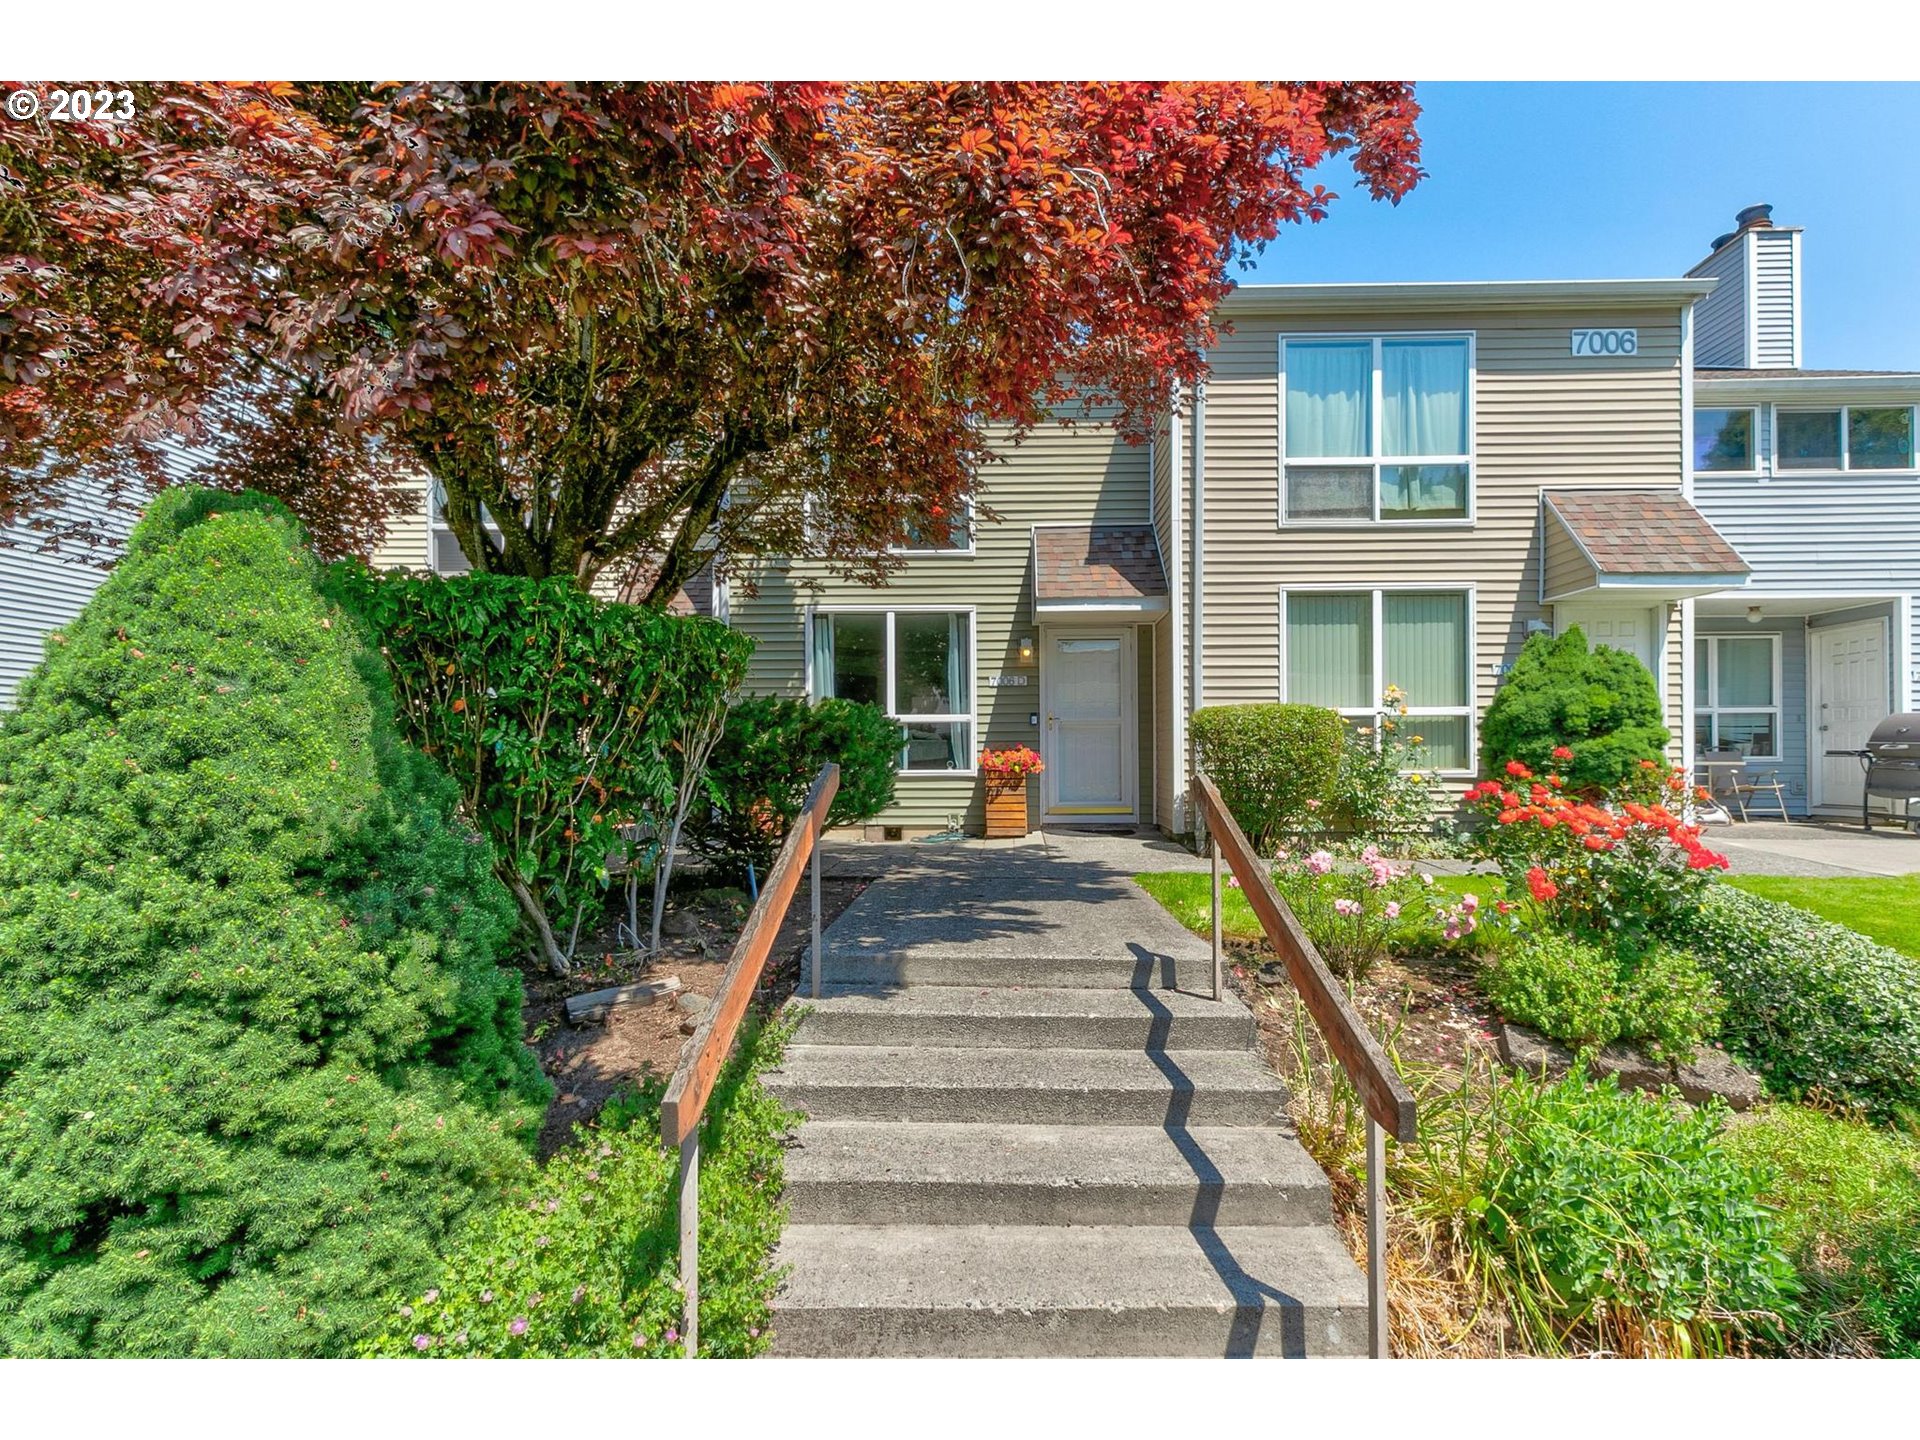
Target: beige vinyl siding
<point>1775,341</point>
<point>1080,474</point>
<point>1542,417</point>
<point>1165,700</point>
<point>1568,569</point>
<point>1143,717</point>
<point>1720,320</point>
<point>405,543</point>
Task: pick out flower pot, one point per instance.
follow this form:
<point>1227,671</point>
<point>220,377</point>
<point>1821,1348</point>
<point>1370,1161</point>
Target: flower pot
<point>1006,810</point>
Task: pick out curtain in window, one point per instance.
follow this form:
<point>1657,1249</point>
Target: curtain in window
<point>822,657</point>
<point>1423,397</point>
<point>1746,672</point>
<point>1328,391</point>
<point>1426,647</point>
<point>1330,650</point>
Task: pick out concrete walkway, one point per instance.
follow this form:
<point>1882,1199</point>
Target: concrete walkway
<point>1814,848</point>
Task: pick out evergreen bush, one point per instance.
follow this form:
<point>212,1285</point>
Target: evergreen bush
<point>1273,765</point>
<point>1602,703</point>
<point>256,1057</point>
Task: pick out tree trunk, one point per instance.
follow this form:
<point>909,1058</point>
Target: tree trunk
<point>556,958</point>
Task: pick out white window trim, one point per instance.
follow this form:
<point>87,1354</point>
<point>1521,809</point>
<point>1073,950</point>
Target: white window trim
<point>970,716</point>
<point>1471,710</point>
<point>946,551</point>
<point>1753,470</point>
<point>1376,459</point>
<point>437,525</point>
<point>1846,466</point>
<point>1710,708</point>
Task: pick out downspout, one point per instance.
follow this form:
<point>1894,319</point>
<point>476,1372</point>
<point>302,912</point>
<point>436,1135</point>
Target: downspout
<point>1684,739</point>
<point>1196,613</point>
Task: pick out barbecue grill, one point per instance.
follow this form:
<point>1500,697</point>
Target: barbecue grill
<point>1891,762</point>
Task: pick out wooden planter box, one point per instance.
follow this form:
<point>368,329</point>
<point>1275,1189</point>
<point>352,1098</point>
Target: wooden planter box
<point>1006,811</point>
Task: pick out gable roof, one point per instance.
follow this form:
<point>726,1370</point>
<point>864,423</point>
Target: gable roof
<point>1110,567</point>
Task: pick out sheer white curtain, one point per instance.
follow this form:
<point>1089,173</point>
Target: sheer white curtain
<point>1423,397</point>
<point>1329,388</point>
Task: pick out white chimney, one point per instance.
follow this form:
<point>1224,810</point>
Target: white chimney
<point>1751,321</point>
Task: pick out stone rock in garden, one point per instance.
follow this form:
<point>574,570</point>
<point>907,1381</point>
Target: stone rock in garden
<point>1533,1052</point>
<point>679,922</point>
<point>1712,1074</point>
<point>694,1005</point>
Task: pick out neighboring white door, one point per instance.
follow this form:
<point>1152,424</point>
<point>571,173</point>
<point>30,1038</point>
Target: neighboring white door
<point>1632,630</point>
<point>1087,698</point>
<point>1850,688</point>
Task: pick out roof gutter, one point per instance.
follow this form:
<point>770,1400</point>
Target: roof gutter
<point>1461,295</point>
<point>1787,386</point>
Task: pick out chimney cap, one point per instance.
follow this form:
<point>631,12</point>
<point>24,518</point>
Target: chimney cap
<point>1720,240</point>
<point>1754,215</point>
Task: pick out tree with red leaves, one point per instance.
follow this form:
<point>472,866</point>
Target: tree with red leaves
<point>628,322</point>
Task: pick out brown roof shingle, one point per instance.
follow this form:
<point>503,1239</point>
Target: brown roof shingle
<point>1079,563</point>
<point>1643,532</point>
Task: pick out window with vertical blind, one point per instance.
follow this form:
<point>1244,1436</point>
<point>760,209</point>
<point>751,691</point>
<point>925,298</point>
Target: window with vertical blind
<point>1377,429</point>
<point>1344,648</point>
<point>1736,694</point>
<point>917,665</point>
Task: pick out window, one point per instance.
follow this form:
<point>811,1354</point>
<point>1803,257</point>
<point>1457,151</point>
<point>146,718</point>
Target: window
<point>917,665</point>
<point>955,538</point>
<point>1343,648</point>
<point>444,555</point>
<point>1377,430</point>
<point>1736,694</point>
<point>1723,440</point>
<point>1850,437</point>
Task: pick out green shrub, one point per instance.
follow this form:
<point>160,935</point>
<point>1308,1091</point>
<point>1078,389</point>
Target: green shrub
<point>1602,703</point>
<point>1588,994</point>
<point>1816,1008</point>
<point>585,1261</point>
<point>765,762</point>
<point>561,716</point>
<point>256,1056</point>
<point>1598,1217</point>
<point>1849,1203</point>
<point>1273,764</point>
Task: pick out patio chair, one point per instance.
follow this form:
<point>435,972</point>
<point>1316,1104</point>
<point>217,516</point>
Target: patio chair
<point>1732,784</point>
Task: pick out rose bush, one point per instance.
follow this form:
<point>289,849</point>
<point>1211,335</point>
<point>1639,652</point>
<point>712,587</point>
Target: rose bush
<point>1357,916</point>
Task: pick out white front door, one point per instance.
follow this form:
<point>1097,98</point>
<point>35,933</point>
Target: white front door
<point>1083,685</point>
<point>1850,689</point>
<point>1632,630</point>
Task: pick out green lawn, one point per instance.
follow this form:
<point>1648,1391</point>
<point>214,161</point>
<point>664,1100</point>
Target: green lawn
<point>1188,898</point>
<point>1886,908</point>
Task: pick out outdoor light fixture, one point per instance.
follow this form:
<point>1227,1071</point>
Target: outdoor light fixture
<point>1753,614</point>
<point>1026,649</point>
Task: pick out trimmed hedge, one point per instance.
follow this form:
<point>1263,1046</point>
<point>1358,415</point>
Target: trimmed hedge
<point>1817,1008</point>
<point>1269,762</point>
<point>1602,703</point>
<point>766,759</point>
<point>256,1057</point>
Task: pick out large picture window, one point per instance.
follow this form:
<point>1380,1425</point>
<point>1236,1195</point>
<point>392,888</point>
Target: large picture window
<point>1377,430</point>
<point>917,665</point>
<point>1848,437</point>
<point>1344,648</point>
<point>1736,695</point>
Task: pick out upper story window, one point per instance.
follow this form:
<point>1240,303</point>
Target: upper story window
<point>444,555</point>
<point>1845,437</point>
<point>1724,440</point>
<point>1377,428</point>
<point>954,536</point>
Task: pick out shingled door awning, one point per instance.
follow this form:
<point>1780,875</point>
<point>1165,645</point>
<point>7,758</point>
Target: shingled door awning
<point>1631,544</point>
<point>1092,570</point>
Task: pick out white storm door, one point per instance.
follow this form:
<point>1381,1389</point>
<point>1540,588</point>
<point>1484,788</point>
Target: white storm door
<point>1850,673</point>
<point>1086,700</point>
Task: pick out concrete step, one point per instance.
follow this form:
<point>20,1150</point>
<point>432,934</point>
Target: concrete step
<point>1029,1087</point>
<point>1068,1290</point>
<point>1138,967</point>
<point>1031,1018</point>
<point>862,1173</point>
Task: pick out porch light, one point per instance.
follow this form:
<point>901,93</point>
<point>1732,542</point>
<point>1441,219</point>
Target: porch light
<point>1753,614</point>
<point>1026,649</point>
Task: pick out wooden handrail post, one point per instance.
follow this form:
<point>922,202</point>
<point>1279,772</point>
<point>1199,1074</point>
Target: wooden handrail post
<point>1213,848</point>
<point>1376,1241</point>
<point>690,1243</point>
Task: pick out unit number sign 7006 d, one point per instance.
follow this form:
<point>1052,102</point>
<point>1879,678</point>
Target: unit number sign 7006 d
<point>1606,342</point>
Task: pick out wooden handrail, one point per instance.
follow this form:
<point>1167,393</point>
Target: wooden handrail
<point>687,1094</point>
<point>1389,1104</point>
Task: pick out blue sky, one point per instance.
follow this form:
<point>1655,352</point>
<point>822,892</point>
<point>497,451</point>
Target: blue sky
<point>1559,181</point>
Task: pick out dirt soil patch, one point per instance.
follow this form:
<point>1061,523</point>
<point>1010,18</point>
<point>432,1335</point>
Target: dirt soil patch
<point>590,1063</point>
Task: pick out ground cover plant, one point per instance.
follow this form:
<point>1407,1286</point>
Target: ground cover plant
<point>1848,1196</point>
<point>1273,764</point>
<point>1588,993</point>
<point>583,1258</point>
<point>1602,704</point>
<point>767,758</point>
<point>562,717</point>
<point>1818,1010</point>
<point>256,1056</point>
<point>1885,908</point>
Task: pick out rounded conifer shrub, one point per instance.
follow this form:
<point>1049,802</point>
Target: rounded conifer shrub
<point>1601,703</point>
<point>256,1057</point>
